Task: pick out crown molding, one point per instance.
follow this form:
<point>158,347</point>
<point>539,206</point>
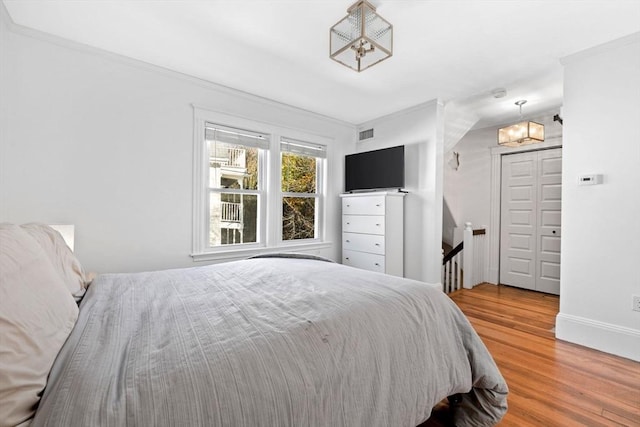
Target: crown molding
<point>6,19</point>
<point>432,103</point>
<point>602,48</point>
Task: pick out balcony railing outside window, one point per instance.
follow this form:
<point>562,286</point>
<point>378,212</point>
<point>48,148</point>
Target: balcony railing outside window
<point>229,156</point>
<point>231,212</point>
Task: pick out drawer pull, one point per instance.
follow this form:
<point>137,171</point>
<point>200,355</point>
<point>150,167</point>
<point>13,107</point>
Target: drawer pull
<point>347,258</point>
<point>348,223</point>
<point>377,244</point>
<point>378,205</point>
<point>348,241</point>
<point>348,206</point>
<point>377,225</point>
<point>377,265</point>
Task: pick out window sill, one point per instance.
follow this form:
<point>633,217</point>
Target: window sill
<point>248,252</point>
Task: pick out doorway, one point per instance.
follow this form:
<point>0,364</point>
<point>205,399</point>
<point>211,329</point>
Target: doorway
<point>530,220</point>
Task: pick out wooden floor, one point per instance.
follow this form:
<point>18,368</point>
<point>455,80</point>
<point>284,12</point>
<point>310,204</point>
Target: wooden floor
<point>551,382</point>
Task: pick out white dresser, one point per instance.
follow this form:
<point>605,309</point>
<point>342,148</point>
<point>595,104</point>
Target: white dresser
<point>373,231</point>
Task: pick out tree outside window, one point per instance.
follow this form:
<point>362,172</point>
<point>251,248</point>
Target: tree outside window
<point>299,181</point>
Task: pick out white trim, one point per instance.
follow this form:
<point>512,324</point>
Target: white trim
<point>199,227</point>
<point>269,231</point>
<point>157,69</point>
<point>602,48</point>
<point>494,210</point>
<point>370,123</point>
<point>613,339</point>
<point>247,252</point>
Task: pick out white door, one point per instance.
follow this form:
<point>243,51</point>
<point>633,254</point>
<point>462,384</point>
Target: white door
<point>530,220</point>
<point>548,230</point>
<point>518,220</point>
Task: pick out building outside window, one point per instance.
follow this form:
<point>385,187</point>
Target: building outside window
<point>235,184</point>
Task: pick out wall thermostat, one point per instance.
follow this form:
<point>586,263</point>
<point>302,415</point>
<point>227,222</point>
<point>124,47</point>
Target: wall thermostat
<point>591,179</point>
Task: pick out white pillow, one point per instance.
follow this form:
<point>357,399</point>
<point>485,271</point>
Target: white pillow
<point>37,314</point>
<point>61,257</point>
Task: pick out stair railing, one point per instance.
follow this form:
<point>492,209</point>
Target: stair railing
<point>452,269</point>
<point>464,270</point>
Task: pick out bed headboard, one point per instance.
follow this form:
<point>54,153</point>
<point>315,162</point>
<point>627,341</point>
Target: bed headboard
<point>67,231</point>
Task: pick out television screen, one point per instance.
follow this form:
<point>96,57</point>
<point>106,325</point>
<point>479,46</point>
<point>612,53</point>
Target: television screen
<point>378,169</point>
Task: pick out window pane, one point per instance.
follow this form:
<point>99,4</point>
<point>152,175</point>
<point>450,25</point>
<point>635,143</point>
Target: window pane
<point>298,173</point>
<point>233,218</point>
<point>298,218</point>
<point>232,165</point>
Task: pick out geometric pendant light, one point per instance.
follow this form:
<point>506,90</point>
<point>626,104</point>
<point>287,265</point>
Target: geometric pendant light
<point>362,38</point>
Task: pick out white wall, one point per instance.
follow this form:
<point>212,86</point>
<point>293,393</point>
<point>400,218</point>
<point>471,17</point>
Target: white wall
<point>600,226</point>
<point>419,129</point>
<point>467,189</point>
<point>105,143</point>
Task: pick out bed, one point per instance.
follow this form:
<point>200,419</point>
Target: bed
<point>271,341</point>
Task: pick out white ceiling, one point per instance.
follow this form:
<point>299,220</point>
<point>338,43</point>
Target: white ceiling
<point>450,49</point>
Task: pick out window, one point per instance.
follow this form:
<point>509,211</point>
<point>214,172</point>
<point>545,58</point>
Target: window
<point>255,186</point>
<point>235,185</point>
<point>300,179</point>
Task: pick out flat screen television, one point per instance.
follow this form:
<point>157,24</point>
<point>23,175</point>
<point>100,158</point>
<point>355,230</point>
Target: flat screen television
<point>374,170</point>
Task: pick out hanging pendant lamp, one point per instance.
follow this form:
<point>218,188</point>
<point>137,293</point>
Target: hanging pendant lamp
<point>522,133</point>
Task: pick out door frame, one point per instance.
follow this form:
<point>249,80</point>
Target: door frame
<point>493,273</point>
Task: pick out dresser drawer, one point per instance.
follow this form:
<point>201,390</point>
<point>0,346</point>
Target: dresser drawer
<point>372,262</point>
<point>363,205</point>
<point>370,224</point>
<point>372,243</point>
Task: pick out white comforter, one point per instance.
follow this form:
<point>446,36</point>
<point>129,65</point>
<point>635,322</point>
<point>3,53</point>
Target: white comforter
<point>268,342</point>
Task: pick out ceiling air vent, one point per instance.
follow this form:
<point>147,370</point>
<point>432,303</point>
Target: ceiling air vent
<point>366,134</point>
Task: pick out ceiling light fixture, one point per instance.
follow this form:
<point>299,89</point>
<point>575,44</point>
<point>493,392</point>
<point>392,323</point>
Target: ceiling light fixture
<point>362,38</point>
<point>522,133</point>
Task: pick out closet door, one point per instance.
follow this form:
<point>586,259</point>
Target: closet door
<point>518,220</point>
<point>530,230</point>
<point>549,215</point>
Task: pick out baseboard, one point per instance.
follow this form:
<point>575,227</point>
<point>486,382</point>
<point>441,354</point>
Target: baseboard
<point>492,276</point>
<point>613,339</point>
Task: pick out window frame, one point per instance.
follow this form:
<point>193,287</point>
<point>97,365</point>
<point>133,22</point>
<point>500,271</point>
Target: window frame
<point>321,160</point>
<point>260,192</point>
<point>270,207</point>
